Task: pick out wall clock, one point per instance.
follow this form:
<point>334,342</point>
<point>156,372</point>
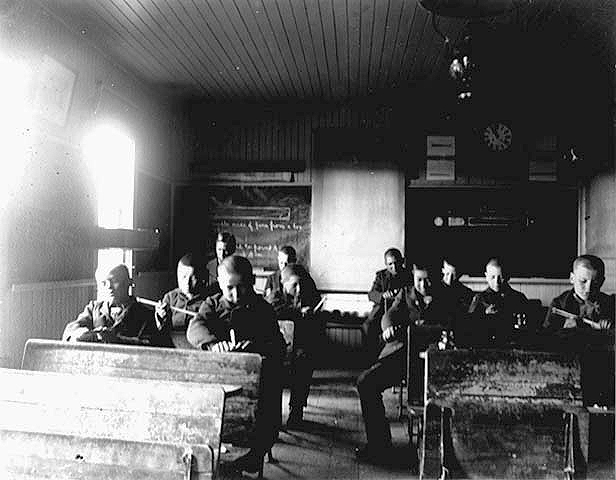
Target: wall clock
<point>497,136</point>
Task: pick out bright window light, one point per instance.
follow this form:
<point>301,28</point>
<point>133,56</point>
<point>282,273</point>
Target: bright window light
<point>110,154</point>
<point>15,126</point>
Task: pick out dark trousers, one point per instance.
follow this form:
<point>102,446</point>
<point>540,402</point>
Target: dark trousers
<point>371,328</point>
<point>268,414</point>
<point>302,367</point>
<point>371,383</point>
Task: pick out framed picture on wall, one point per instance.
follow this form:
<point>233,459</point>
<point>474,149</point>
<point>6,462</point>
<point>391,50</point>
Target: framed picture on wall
<point>53,91</point>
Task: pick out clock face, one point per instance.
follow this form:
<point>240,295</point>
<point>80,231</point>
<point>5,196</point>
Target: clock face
<point>498,136</point>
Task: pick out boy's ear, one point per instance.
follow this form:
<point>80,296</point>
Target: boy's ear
<point>571,279</point>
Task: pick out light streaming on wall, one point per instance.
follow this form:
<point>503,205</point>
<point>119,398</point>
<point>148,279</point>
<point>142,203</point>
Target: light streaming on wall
<point>15,126</point>
<point>110,154</point>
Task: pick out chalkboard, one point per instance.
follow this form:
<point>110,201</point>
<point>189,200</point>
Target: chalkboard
<point>262,218</point>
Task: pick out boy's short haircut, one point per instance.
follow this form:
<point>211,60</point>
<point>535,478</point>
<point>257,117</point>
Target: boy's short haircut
<point>193,260</point>
<point>240,266</point>
<point>293,269</point>
<point>393,252</point>
<point>120,272</point>
<point>591,262</point>
<point>422,266</point>
<point>227,238</point>
<point>290,252</point>
<point>455,261</point>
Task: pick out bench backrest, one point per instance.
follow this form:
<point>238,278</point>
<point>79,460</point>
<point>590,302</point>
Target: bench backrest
<point>503,374</point>
<point>34,455</point>
<point>243,369</point>
<point>116,408</point>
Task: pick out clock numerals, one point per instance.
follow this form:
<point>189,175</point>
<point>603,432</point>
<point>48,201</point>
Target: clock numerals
<point>498,137</point>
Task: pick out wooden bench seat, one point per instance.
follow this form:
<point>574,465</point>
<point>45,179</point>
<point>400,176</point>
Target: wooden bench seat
<point>126,409</point>
<point>37,455</point>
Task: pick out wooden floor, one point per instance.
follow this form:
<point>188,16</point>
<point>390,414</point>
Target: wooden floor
<point>333,427</point>
<point>324,449</point>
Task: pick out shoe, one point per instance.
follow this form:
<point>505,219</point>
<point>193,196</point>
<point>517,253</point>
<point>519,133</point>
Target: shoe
<point>296,418</point>
<point>250,463</point>
<point>375,456</point>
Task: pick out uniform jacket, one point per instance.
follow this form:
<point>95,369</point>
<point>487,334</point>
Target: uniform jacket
<point>601,309</point>
<point>211,286</point>
<point>134,324</point>
<point>177,298</point>
<point>497,327</point>
<point>254,321</point>
<point>288,307</point>
<point>409,308</point>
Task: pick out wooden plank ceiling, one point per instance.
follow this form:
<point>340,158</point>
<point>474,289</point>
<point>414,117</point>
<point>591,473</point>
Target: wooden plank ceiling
<point>277,50</point>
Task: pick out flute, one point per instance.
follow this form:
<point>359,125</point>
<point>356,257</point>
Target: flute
<point>152,303</point>
<point>566,314</point>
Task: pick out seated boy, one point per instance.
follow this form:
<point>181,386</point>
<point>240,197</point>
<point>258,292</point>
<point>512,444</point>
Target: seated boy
<point>494,312</point>
<point>582,319</point>
<point>225,246</point>
<point>297,302</point>
<point>590,308</point>
<point>457,295</point>
<point>273,285</point>
<point>416,306</point>
<point>118,318</point>
<point>189,295</point>
<point>387,283</point>
<point>239,320</point>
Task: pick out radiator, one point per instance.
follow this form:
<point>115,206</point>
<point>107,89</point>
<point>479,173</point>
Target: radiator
<point>40,310</point>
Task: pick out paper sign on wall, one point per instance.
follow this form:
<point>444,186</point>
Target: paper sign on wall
<point>441,151</point>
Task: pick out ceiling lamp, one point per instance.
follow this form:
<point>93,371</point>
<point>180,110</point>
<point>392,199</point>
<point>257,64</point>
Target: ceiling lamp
<point>469,8</point>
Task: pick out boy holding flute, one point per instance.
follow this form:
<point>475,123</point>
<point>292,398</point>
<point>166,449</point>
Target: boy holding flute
<point>584,307</point>
<point>188,296</point>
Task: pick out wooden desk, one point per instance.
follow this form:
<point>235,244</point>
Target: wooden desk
<point>503,414</point>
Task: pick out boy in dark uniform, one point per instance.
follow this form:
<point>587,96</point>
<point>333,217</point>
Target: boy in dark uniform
<point>494,312</point>
<point>457,295</point>
<point>189,295</point>
<point>273,286</point>
<point>225,246</point>
<point>118,318</point>
<point>297,301</point>
<point>582,319</point>
<point>239,320</point>
<point>387,283</point>
<point>591,309</point>
<point>417,306</point>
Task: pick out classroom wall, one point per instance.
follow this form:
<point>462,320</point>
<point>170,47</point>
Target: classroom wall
<point>49,208</point>
<point>599,222</point>
<point>52,204</point>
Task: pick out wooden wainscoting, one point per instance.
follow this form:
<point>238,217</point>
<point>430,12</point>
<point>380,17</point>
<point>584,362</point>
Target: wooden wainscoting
<point>40,310</point>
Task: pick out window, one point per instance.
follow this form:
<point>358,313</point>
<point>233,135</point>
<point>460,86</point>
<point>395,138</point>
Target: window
<point>110,153</point>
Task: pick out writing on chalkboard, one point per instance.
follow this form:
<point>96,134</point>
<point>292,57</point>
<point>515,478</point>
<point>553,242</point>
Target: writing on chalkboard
<point>252,213</point>
<point>262,219</point>
<point>255,226</point>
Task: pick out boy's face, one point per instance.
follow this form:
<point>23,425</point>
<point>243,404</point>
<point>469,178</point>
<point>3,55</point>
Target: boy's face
<point>235,288</point>
<point>223,250</point>
<point>283,260</point>
<point>291,286</point>
<point>115,287</point>
<point>494,277</point>
<point>421,282</point>
<point>586,282</point>
<point>393,264</point>
<point>188,279</point>
<point>449,273</point>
